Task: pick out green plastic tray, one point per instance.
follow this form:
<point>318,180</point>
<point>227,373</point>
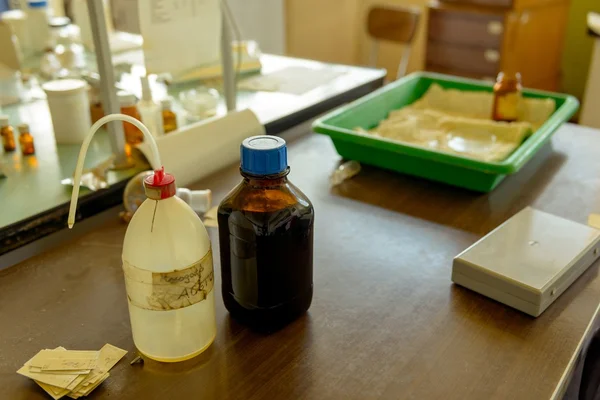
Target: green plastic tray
<point>480,176</point>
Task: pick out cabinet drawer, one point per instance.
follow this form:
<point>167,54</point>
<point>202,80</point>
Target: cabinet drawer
<point>468,59</point>
<point>466,28</point>
<point>492,3</point>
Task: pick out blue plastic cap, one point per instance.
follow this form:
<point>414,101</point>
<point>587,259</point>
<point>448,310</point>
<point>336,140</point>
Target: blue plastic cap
<point>263,155</point>
<point>37,4</point>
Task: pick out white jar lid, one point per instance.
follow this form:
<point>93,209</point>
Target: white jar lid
<point>3,120</point>
<point>64,86</point>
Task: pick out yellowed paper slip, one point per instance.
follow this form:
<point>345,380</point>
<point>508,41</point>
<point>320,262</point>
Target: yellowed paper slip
<point>71,364</point>
<point>59,372</point>
<point>55,392</point>
<point>109,356</point>
<point>64,359</point>
<point>62,380</point>
<point>88,389</point>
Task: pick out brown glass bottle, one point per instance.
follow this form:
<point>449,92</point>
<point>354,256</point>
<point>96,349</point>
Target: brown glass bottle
<point>169,117</point>
<point>8,135</point>
<point>26,140</point>
<point>266,243</point>
<point>133,135</point>
<point>507,97</point>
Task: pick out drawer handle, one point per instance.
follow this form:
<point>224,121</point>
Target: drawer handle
<point>495,28</point>
<point>491,56</point>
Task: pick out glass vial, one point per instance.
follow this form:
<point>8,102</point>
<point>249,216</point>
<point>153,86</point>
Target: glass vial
<point>26,140</point>
<point>507,97</point>
<point>8,136</point>
<point>168,116</point>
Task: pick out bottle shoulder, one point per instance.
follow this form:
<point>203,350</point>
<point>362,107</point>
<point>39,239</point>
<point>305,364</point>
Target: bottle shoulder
<point>264,198</point>
<point>165,235</point>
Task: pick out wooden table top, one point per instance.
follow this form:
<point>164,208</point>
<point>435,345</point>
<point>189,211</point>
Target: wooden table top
<point>386,321</point>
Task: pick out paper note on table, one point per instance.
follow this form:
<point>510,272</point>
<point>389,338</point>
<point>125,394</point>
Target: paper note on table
<point>61,372</point>
<point>58,360</point>
<point>62,380</point>
<point>179,35</point>
<point>293,80</point>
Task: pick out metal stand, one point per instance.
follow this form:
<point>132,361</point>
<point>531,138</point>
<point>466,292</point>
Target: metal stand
<point>110,102</point>
<point>227,65</point>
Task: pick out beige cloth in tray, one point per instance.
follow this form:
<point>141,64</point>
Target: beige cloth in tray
<point>459,122</point>
<point>479,105</point>
<point>469,137</point>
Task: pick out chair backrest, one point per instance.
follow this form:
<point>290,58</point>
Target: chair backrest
<point>392,23</point>
<point>395,25</point>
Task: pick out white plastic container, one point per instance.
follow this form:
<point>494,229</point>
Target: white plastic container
<point>168,268</point>
<point>167,262</point>
<point>150,111</point>
<point>37,23</point>
<point>17,19</point>
<point>69,108</point>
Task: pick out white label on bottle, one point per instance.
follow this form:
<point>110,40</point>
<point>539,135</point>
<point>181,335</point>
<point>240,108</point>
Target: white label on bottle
<point>163,291</point>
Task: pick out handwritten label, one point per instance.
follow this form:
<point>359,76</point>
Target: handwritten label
<point>163,291</point>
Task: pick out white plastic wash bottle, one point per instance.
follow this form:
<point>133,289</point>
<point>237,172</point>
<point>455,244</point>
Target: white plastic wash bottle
<point>167,262</point>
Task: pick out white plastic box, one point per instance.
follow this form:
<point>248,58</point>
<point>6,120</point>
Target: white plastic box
<point>528,261</point>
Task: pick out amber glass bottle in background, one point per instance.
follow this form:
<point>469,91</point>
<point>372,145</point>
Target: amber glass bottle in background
<point>266,240</point>
<point>168,116</point>
<point>26,140</point>
<point>507,97</point>
<point>128,104</point>
<point>8,135</point>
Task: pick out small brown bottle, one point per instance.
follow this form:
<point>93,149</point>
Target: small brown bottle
<point>507,97</point>
<point>133,135</point>
<point>8,136</point>
<point>26,140</point>
<point>169,117</point>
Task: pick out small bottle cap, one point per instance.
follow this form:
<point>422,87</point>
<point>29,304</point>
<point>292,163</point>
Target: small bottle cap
<point>126,99</point>
<point>23,128</point>
<point>166,103</point>
<point>4,120</point>
<point>263,155</point>
<point>64,87</point>
<point>37,4</point>
<point>160,185</point>
<point>59,22</point>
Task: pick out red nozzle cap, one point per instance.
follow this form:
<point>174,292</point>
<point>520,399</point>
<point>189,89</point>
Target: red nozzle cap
<point>160,185</point>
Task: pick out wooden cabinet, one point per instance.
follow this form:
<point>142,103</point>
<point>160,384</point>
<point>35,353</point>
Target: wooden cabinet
<point>473,38</point>
<point>335,31</point>
<point>479,42</point>
<point>323,30</point>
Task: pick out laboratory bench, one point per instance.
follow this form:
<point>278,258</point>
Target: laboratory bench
<point>386,321</point>
<point>35,203</point>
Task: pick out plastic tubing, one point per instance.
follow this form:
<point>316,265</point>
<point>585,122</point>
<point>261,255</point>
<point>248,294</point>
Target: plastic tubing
<point>84,148</point>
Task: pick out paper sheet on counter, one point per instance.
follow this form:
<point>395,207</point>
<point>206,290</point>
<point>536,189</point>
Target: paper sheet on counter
<point>292,80</point>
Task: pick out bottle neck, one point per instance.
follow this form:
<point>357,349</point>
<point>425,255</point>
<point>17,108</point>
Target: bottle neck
<point>266,180</point>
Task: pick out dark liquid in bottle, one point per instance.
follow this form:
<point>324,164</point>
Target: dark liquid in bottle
<point>266,261</point>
